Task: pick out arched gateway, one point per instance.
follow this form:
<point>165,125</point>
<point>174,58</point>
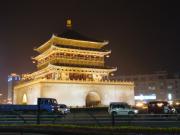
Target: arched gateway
<point>93,99</point>
<point>69,67</point>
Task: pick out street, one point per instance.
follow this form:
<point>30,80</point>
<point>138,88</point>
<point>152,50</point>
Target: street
<point>100,118</point>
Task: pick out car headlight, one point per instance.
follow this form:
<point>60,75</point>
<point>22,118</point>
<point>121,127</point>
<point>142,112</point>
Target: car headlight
<point>135,111</point>
<point>173,109</point>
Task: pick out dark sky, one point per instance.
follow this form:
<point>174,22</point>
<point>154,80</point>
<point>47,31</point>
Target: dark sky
<point>143,35</point>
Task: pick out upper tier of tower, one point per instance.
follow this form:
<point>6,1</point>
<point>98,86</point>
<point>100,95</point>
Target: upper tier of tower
<point>72,39</point>
<point>71,56</point>
<point>71,49</point>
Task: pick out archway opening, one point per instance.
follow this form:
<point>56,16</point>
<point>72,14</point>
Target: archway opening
<point>93,99</point>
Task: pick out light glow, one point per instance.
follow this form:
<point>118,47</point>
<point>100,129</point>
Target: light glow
<point>9,79</point>
<point>169,96</point>
<point>159,104</point>
<point>145,97</point>
<point>24,101</point>
<point>139,104</point>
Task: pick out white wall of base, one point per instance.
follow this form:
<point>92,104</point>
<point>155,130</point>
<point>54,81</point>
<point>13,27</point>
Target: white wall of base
<point>74,94</point>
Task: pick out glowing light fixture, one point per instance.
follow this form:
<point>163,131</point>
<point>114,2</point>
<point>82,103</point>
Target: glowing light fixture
<point>169,96</point>
<point>159,104</point>
<point>69,23</point>
<point>139,104</point>
<point>170,102</point>
<point>112,74</point>
<point>24,101</point>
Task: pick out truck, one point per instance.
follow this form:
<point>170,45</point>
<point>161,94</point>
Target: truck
<point>43,104</point>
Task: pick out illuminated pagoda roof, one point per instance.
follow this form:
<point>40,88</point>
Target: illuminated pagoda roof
<point>71,56</point>
<point>83,66</point>
<point>55,48</point>
<point>51,68</point>
<point>72,38</point>
<point>72,34</point>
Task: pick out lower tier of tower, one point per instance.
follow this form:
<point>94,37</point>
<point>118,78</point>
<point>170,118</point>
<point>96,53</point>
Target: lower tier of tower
<point>75,93</point>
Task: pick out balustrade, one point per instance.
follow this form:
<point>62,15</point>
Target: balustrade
<point>75,59</point>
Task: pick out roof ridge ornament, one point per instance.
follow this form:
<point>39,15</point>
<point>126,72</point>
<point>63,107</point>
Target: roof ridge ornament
<point>69,23</point>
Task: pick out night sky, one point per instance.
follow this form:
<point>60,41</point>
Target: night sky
<point>143,36</point>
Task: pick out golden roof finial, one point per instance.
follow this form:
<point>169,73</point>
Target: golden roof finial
<point>69,23</point>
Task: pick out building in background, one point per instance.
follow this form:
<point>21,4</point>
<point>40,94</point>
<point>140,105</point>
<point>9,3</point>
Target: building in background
<point>12,81</point>
<point>71,68</point>
<point>3,96</point>
<point>157,86</point>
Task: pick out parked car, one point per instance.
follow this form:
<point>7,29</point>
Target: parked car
<point>64,109</point>
<point>176,105</point>
<point>121,108</point>
<point>162,107</point>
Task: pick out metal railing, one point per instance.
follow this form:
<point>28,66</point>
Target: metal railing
<point>91,118</point>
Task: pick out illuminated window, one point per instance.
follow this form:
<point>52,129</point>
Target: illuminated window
<point>152,88</point>
<point>169,86</point>
<point>9,79</point>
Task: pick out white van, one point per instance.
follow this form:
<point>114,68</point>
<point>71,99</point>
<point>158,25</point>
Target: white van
<point>64,109</point>
<point>121,108</point>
